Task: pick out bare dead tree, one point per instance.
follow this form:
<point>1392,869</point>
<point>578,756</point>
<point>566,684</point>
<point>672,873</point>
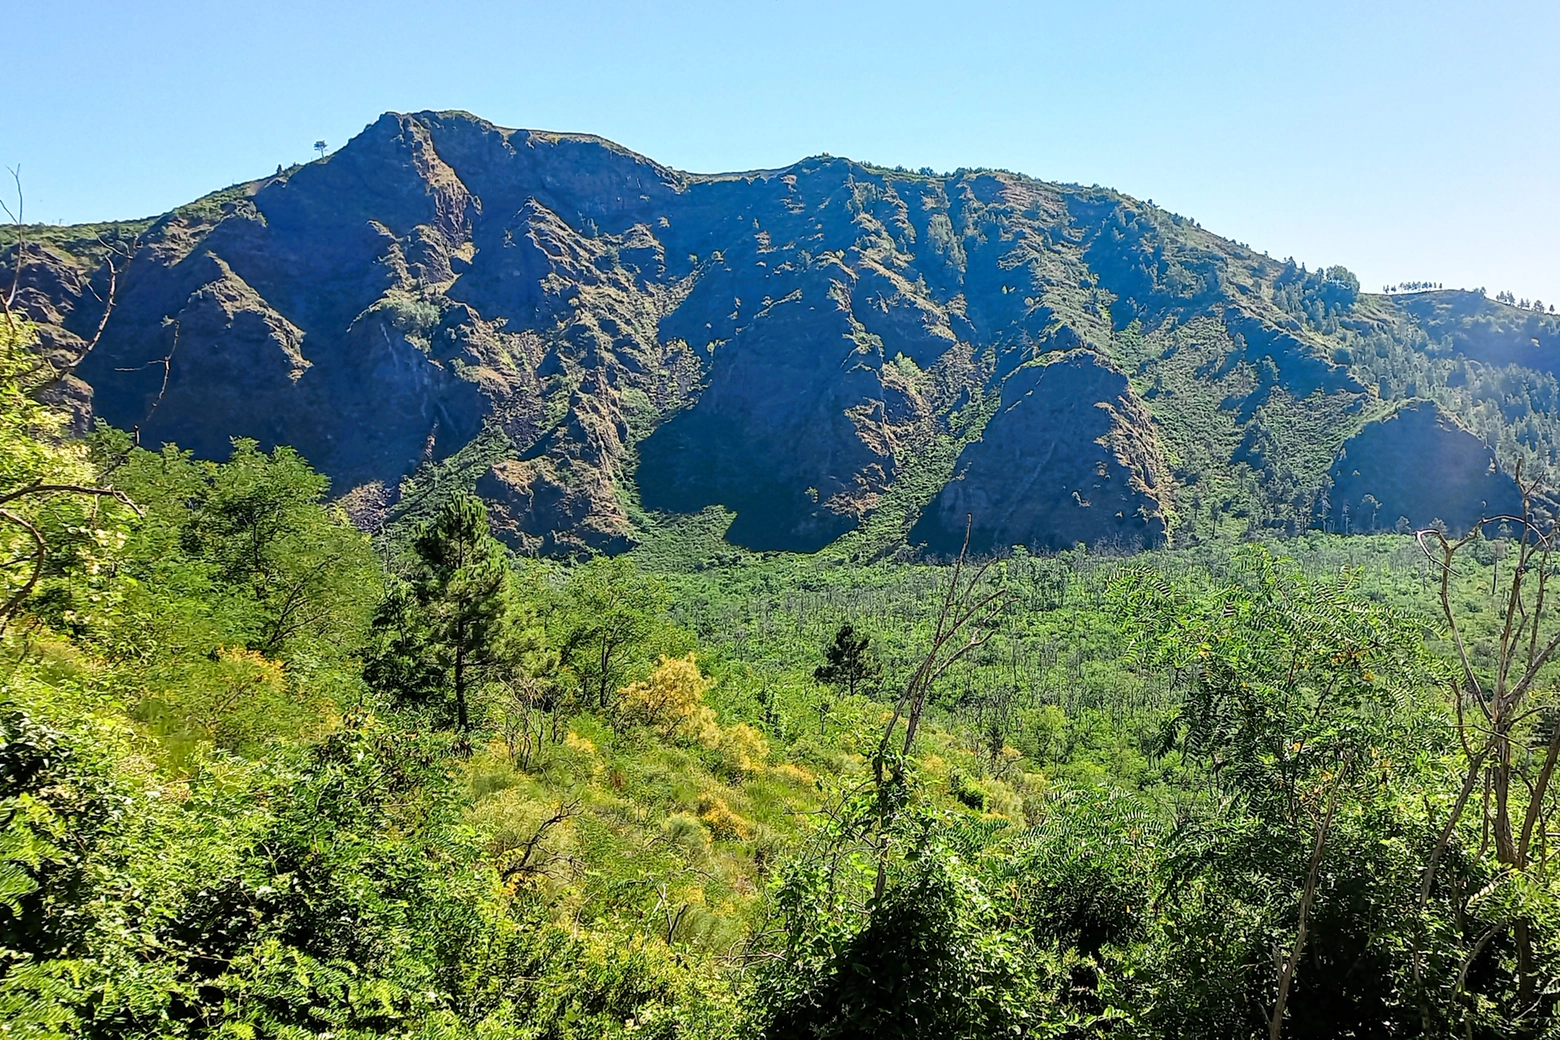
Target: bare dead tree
<point>116,257</point>
<point>38,488</point>
<point>162,392</point>
<point>8,302</point>
<point>673,920</point>
<point>992,708</point>
<point>523,720</point>
<point>964,622</point>
<point>1500,699</point>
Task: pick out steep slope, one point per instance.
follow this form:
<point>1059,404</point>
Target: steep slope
<point>584,335</point>
<point>1408,468</point>
<point>1070,456</point>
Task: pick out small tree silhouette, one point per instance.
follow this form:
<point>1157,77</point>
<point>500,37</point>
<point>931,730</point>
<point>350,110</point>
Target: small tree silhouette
<point>319,146</point>
<point>1372,503</point>
<point>848,663</point>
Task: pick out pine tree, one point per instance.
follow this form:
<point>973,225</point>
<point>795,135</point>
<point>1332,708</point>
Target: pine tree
<point>444,630</point>
<point>848,664</point>
<point>848,661</point>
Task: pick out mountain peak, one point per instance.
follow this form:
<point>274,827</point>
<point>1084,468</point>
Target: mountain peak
<point>584,334</point>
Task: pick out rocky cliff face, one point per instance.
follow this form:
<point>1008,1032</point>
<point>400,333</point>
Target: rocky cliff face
<point>1417,466</point>
<point>789,344</point>
<point>1070,456</point>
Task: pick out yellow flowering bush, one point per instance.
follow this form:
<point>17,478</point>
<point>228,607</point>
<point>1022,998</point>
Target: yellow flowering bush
<point>743,750</point>
<point>671,702</point>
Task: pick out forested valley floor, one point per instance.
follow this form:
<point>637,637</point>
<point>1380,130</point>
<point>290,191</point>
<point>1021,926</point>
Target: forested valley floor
<point>263,775</point>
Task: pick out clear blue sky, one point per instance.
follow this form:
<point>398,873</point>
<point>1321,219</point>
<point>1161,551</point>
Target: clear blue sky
<point>1405,140</point>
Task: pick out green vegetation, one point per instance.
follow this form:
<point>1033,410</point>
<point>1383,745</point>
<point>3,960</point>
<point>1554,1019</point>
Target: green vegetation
<point>668,364</point>
<point>262,775</point>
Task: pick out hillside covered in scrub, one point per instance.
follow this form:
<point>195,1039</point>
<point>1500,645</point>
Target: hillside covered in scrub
<point>265,775</point>
<point>598,345</point>
<point>484,584</point>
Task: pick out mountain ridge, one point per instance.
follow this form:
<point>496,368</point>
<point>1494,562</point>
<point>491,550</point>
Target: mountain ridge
<point>610,335</point>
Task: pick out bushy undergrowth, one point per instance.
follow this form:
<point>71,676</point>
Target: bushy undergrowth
<point>261,776</point>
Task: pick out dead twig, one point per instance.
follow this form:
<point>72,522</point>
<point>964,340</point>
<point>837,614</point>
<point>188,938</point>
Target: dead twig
<point>38,487</point>
<point>524,866</point>
<point>16,219</point>
<point>39,556</point>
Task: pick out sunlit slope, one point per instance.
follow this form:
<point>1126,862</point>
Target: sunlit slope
<point>599,344</point>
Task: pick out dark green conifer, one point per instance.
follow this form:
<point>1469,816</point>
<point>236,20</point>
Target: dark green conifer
<point>442,630</point>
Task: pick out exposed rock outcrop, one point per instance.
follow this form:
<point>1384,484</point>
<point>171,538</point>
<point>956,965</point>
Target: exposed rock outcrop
<point>789,344</point>
<point>1421,465</point>
<point>1070,456</point>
